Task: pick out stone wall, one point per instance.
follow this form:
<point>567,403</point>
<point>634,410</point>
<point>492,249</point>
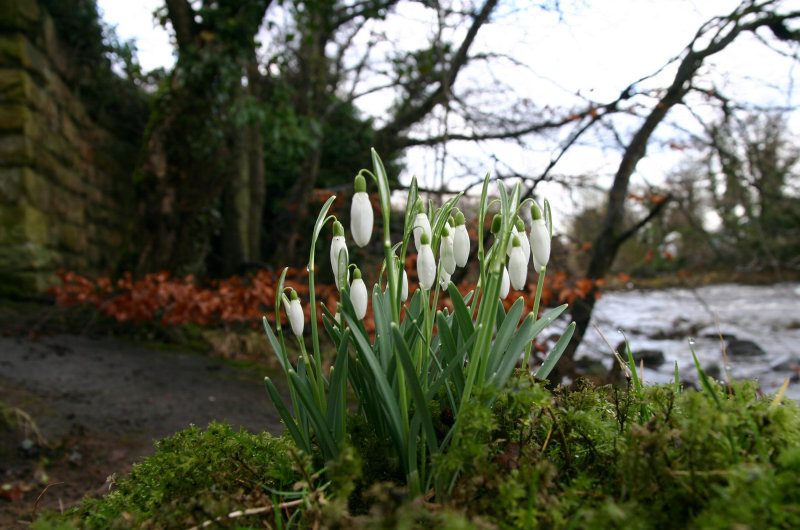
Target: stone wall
<point>66,193</point>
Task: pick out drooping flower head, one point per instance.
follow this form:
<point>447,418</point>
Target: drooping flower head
<point>539,239</point>
<point>517,264</point>
<point>404,287</point>
<point>519,230</point>
<point>426,264</point>
<point>295,314</point>
<point>421,225</point>
<point>446,255</point>
<point>460,240</point>
<point>505,286</point>
<point>358,294</point>
<point>339,256</point>
<point>361,217</point>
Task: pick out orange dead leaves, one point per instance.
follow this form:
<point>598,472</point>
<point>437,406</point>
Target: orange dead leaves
<point>166,300</point>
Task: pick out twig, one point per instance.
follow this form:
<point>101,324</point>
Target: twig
<point>251,511</point>
<point>622,365</point>
<point>724,354</point>
<point>36,503</point>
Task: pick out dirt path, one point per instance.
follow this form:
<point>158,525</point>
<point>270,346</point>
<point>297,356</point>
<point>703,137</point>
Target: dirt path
<point>100,404</point>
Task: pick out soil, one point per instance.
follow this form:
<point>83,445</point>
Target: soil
<point>85,409</point>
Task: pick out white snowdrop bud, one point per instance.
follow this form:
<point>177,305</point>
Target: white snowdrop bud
<point>426,264</point>
<point>539,239</point>
<point>295,314</point>
<point>517,264</point>
<point>519,230</point>
<point>358,295</point>
<point>338,245</point>
<point>505,285</point>
<point>404,287</point>
<point>361,213</point>
<point>421,225</point>
<point>446,251</point>
<point>460,241</point>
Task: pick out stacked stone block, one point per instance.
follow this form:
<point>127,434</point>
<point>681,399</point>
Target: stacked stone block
<point>66,196</point>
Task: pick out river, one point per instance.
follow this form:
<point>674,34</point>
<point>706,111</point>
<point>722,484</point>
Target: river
<point>666,320</point>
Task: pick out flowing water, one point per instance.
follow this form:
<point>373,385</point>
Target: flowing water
<point>666,320</point>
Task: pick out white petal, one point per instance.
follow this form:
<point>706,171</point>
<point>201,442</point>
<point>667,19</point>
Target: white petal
<point>404,287</point>
<point>426,267</point>
<point>446,254</point>
<point>461,245</point>
<point>358,295</point>
<point>518,267</point>
<point>540,244</point>
<point>421,224</point>
<point>504,284</point>
<point>444,280</point>
<point>296,317</point>
<point>337,245</point>
<point>361,219</point>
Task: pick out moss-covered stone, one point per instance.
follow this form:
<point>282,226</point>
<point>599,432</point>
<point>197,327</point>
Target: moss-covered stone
<point>55,162</point>
<point>23,224</point>
<point>15,150</point>
<point>14,117</point>
<point>20,14</point>
<point>27,257</point>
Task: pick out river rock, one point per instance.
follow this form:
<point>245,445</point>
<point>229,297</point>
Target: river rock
<point>786,363</point>
<point>744,348</point>
<point>590,367</point>
<point>651,358</point>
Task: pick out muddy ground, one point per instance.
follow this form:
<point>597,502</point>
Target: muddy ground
<point>85,409</point>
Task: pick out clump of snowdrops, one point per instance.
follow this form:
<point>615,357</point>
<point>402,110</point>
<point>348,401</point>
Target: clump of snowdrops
<point>419,354</point>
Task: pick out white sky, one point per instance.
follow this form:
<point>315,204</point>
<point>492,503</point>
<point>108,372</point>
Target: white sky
<point>595,47</point>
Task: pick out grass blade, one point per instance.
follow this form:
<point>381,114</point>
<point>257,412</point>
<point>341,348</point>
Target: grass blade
<point>416,391</point>
<point>556,353</point>
<point>306,397</point>
<point>300,438</point>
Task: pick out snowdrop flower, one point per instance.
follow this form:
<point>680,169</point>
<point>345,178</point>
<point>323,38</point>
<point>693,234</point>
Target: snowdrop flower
<point>421,225</point>
<point>518,264</point>
<point>519,230</point>
<point>338,246</point>
<point>404,287</point>
<point>358,294</point>
<point>540,239</point>
<point>446,251</point>
<point>426,264</point>
<point>295,314</point>
<point>361,213</point>
<point>460,241</point>
<point>504,284</point>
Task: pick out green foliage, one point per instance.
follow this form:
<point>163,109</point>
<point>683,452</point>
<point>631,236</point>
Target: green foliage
<point>569,458</point>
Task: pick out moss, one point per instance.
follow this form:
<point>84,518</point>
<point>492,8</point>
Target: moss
<point>585,457</point>
<point>194,476</point>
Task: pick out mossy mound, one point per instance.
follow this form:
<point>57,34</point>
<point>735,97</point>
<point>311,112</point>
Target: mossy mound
<point>583,458</point>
